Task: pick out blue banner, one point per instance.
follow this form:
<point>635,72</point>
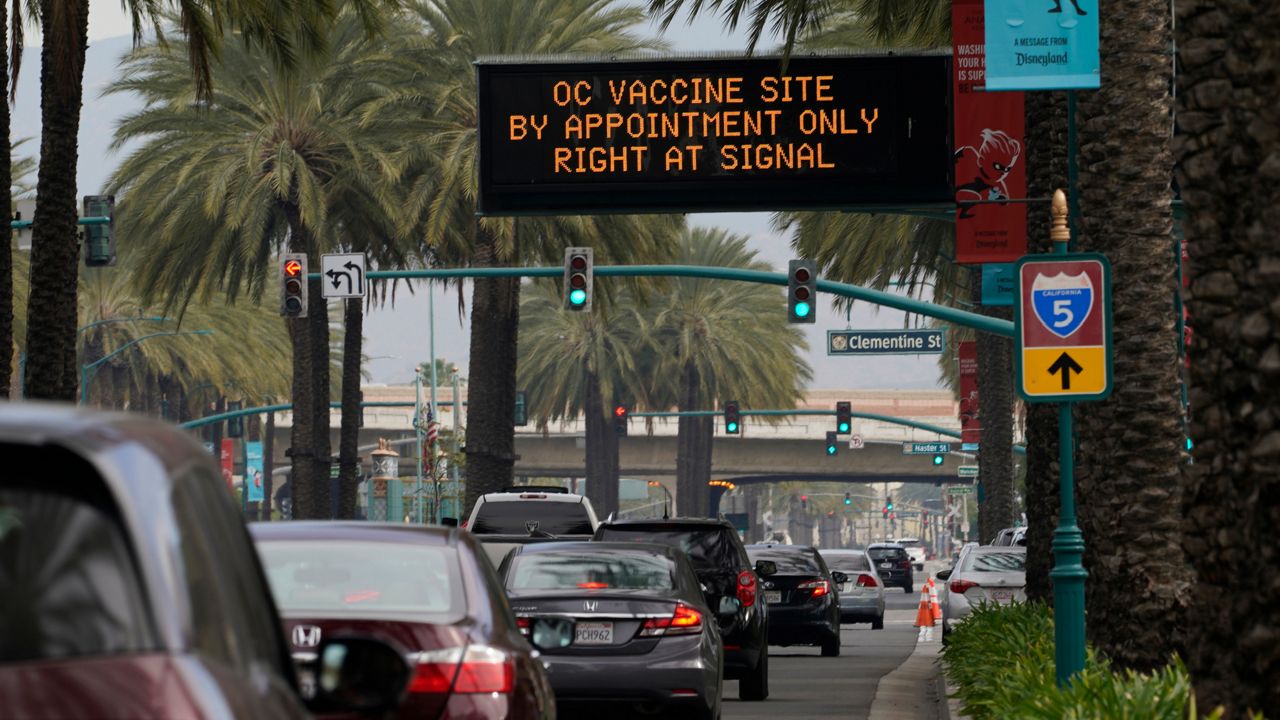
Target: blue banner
<point>885,342</point>
<point>1042,45</point>
<point>253,470</point>
<point>997,284</point>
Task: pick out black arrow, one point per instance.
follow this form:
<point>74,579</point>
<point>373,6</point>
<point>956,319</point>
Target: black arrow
<point>359,275</point>
<point>1066,365</point>
<point>335,274</point>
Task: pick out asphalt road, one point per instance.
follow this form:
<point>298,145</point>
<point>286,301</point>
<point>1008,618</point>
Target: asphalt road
<point>803,684</point>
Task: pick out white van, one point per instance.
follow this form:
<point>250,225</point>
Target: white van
<point>915,549</point>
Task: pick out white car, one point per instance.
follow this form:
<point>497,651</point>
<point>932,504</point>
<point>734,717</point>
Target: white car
<point>985,573</point>
<point>915,549</point>
<point>534,512</point>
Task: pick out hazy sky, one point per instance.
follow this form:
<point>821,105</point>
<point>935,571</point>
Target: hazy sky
<point>402,331</point>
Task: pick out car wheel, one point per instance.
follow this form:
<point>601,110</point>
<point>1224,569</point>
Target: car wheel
<point>831,647</point>
<point>906,588</point>
<point>878,623</point>
<point>755,687</point>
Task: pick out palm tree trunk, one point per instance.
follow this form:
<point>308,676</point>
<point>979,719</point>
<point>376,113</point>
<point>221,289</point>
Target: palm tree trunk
<point>51,307</point>
<point>693,449</point>
<point>349,436</point>
<point>491,399</point>
<point>1129,450</point>
<point>1226,157</point>
<point>602,451</point>
<point>6,239</point>
<point>302,449</point>
<point>995,399</point>
<point>268,465</point>
<point>321,392</point>
<point>1046,171</point>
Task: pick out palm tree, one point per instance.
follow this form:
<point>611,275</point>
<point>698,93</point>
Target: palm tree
<point>443,177</point>
<point>1231,490</point>
<point>708,335</point>
<point>284,31</point>
<point>276,157</point>
<point>579,364</point>
<point>1130,452</point>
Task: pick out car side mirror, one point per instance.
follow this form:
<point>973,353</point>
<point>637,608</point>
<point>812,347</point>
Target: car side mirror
<point>839,577</point>
<point>551,633</point>
<point>766,568</point>
<point>449,521</point>
<point>358,675</point>
<point>729,606</point>
<point>943,574</point>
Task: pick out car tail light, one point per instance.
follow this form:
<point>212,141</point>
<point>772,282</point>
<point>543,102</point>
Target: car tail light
<point>818,587</point>
<point>685,621</point>
<point>960,586</point>
<point>525,625</point>
<point>866,581</point>
<point>532,496</point>
<point>479,669</point>
<point>593,585</point>
<point>747,588</point>
<point>904,563</point>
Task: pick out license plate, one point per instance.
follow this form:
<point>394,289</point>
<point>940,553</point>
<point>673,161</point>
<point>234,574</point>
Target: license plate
<point>886,565</point>
<point>593,633</point>
<point>1002,596</point>
<point>773,597</point>
<point>306,684</point>
<point>846,587</point>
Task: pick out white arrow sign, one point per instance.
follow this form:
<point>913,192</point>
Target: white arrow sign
<point>342,275</point>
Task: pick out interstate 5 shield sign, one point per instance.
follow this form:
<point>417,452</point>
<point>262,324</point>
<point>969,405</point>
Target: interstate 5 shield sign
<point>1063,327</point>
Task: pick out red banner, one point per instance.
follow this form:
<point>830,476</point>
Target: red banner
<point>990,158</point>
<point>970,422</point>
<point>228,453</point>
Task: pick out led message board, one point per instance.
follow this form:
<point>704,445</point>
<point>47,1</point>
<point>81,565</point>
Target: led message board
<point>714,134</point>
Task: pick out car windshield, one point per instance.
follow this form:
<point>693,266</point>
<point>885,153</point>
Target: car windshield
<point>597,569</point>
<point>708,548</point>
<point>796,562</point>
<point>344,578</point>
<point>996,562</point>
<point>523,517</point>
<point>910,542</point>
<point>69,584</point>
<point>884,553</point>
<point>848,562</point>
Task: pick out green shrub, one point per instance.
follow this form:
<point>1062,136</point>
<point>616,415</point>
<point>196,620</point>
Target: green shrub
<point>1001,661</point>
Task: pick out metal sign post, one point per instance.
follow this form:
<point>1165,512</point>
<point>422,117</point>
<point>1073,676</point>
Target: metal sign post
<point>1063,355</point>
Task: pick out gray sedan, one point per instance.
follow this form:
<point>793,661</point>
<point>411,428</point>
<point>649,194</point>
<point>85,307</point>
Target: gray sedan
<point>986,573</point>
<point>862,596</point>
<point>620,626</point>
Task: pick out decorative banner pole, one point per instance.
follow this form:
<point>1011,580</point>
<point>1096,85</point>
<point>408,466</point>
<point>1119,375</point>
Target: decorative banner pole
<point>1063,335</point>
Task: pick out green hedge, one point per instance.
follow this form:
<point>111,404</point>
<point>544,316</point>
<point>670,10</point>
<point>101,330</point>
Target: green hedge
<point>1001,661</point>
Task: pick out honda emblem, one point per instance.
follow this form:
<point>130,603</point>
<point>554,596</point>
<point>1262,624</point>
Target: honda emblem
<point>306,635</point>
<point>531,526</point>
<point>590,605</point>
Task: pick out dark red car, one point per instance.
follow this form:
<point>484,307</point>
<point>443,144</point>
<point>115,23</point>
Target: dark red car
<point>429,590</point>
<point>129,587</point>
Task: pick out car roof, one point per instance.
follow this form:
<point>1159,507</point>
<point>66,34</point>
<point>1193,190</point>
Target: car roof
<point>840,551</point>
<point>885,545</point>
<point>669,522</point>
<point>593,546</point>
<point>989,549</point>
<point>531,495</point>
<point>796,549</point>
<point>353,531</point>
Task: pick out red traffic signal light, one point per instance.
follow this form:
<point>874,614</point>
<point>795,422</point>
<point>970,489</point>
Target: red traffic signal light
<point>292,268</point>
<point>293,286</point>
<point>620,417</point>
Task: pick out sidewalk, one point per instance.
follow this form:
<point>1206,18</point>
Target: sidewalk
<point>916,690</point>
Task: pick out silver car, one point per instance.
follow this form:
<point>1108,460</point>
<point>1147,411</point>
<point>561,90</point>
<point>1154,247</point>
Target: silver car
<point>986,573</point>
<point>862,597</point>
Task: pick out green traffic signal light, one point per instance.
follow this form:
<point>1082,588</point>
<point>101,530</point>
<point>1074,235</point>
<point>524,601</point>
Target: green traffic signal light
<point>848,500</point>
<point>577,297</point>
<point>844,428</point>
<point>831,449</point>
<point>938,459</point>
<point>802,309</point>
<point>1188,444</point>
<point>731,427</point>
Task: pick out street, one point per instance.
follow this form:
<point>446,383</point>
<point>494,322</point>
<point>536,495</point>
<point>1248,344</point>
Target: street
<point>803,684</point>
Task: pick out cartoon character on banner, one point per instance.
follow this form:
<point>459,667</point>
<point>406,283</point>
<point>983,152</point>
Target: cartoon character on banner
<point>981,171</point>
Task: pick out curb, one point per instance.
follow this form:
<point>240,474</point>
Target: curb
<point>912,691</point>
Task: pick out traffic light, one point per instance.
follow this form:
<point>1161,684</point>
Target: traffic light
<point>844,417</point>
<point>924,514</point>
<point>293,285</point>
<point>833,445</point>
<point>577,278</point>
<point>235,425</point>
<point>848,499</point>
<point>802,291</point>
<point>520,417</point>
<point>100,240</point>
<point>732,418</point>
<point>620,414</point>
<point>804,502</point>
<point>888,503</point>
<point>939,459</point>
<point>884,514</point>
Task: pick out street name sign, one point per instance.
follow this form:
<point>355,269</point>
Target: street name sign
<point>342,275</point>
<point>1062,327</point>
<point>925,448</point>
<point>967,471</point>
<point>960,490</point>
<point>885,342</point>
<point>712,134</point>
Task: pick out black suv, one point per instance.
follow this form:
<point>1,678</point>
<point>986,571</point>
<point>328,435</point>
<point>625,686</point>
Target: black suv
<point>893,564</point>
<point>730,583</point>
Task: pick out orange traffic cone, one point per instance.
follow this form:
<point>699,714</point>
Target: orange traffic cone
<point>924,616</point>
<point>933,601</point>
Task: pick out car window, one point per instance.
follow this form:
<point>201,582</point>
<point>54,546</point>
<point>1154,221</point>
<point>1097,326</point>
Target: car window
<point>995,562</point>
<point>70,585</point>
<point>345,578</point>
<point>708,548</point>
<point>887,554</point>
<point>848,563</point>
<point>597,569</point>
<point>522,517</point>
<point>788,562</point>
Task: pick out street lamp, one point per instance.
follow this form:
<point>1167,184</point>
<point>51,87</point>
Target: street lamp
<point>84,369</point>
